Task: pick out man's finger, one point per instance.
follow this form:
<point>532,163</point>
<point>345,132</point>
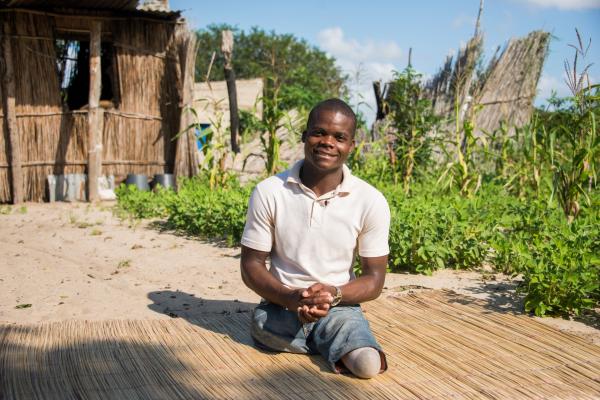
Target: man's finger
<point>318,313</point>
<point>313,289</point>
<point>321,298</point>
<point>305,316</point>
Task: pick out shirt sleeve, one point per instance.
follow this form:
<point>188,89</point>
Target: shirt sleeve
<point>258,231</point>
<point>373,238</point>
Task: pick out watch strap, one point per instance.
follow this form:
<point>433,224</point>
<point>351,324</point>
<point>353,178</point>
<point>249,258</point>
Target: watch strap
<point>338,297</point>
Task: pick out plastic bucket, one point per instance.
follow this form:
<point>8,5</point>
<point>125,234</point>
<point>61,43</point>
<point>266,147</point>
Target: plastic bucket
<point>167,181</point>
<point>139,180</point>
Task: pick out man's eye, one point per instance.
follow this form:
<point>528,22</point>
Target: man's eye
<point>341,138</point>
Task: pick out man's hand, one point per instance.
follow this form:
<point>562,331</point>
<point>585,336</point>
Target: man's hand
<point>315,302</point>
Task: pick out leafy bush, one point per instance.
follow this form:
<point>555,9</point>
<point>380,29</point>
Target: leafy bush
<point>219,213</point>
<point>431,230</point>
<point>139,204</point>
<point>558,261</point>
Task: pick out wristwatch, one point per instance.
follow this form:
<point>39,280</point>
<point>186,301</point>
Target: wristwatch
<point>337,298</point>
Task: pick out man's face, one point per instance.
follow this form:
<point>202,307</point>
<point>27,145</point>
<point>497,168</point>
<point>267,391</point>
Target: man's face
<point>328,140</point>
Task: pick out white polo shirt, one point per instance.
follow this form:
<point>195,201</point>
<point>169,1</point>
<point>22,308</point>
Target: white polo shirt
<point>314,239</point>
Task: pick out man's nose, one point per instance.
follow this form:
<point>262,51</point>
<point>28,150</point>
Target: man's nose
<point>327,139</point>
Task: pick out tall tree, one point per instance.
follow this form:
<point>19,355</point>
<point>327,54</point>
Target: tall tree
<point>299,73</point>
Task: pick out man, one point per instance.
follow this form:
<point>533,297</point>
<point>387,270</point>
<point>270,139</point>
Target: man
<point>311,220</point>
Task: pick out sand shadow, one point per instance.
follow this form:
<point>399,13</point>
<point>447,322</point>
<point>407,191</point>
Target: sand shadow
<point>493,296</point>
<point>164,226</point>
<point>78,366</point>
<point>230,318</point>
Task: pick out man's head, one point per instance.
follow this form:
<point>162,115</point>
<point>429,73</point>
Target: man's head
<point>332,104</point>
<point>329,135</point>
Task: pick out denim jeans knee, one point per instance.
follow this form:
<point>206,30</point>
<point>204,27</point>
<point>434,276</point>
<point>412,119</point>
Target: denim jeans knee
<point>343,329</point>
<point>275,328</point>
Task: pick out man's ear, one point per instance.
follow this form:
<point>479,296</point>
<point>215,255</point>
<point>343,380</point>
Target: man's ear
<point>303,136</point>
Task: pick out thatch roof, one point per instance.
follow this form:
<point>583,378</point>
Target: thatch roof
<point>91,4</point>
<point>156,8</point>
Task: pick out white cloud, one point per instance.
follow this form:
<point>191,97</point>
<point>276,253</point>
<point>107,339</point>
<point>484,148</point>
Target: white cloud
<point>566,4</point>
<point>463,20</point>
<point>333,41</point>
<point>546,85</point>
<point>364,62</point>
<point>549,83</point>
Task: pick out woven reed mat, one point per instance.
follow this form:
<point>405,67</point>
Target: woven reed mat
<point>439,345</point>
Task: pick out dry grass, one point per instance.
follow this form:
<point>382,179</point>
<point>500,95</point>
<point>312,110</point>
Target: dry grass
<point>506,88</point>
<point>439,345</point>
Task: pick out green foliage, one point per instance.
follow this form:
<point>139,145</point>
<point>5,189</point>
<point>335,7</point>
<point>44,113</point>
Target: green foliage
<point>138,204</point>
<point>288,65</point>
<point>498,199</point>
<point>431,232</point>
<point>559,261</point>
<point>412,121</point>
<point>196,209</point>
<point>573,145</point>
<point>216,214</point>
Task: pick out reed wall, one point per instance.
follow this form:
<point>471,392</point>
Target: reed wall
<point>137,131</point>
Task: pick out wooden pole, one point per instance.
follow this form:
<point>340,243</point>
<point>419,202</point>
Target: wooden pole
<point>378,100</point>
<point>227,49</point>
<point>10,117</point>
<point>95,114</point>
<point>186,153</point>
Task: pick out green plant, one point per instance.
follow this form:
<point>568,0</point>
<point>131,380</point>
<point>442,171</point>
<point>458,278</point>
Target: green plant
<point>519,163</point>
<point>461,170</point>
<point>558,260</point>
<point>215,138</point>
<point>218,213</point>
<point>574,145</point>
<point>139,204</point>
<point>274,119</point>
<point>413,122</point>
<point>430,232</point>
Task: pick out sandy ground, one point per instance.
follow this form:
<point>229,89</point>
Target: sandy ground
<point>76,261</point>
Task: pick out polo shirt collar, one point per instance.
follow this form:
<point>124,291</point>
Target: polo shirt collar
<point>344,187</point>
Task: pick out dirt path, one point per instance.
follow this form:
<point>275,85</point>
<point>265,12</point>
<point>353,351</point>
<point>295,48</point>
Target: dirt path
<point>76,261</point>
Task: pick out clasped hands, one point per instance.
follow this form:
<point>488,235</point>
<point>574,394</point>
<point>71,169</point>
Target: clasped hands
<point>313,303</point>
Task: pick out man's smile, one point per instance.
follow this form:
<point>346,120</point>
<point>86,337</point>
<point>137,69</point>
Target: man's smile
<point>323,154</point>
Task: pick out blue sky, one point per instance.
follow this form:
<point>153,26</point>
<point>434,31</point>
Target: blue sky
<point>370,39</point>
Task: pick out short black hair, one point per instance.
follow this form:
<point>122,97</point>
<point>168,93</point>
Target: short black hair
<point>333,104</point>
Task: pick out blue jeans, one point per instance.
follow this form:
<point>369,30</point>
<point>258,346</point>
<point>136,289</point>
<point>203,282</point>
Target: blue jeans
<point>343,329</point>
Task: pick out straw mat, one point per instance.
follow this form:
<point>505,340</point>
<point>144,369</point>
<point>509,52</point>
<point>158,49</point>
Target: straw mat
<point>439,345</point>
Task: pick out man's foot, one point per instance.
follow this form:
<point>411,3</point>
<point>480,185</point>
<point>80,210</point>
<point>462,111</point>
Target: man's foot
<point>364,362</point>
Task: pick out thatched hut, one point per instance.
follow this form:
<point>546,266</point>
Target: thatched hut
<point>92,87</point>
